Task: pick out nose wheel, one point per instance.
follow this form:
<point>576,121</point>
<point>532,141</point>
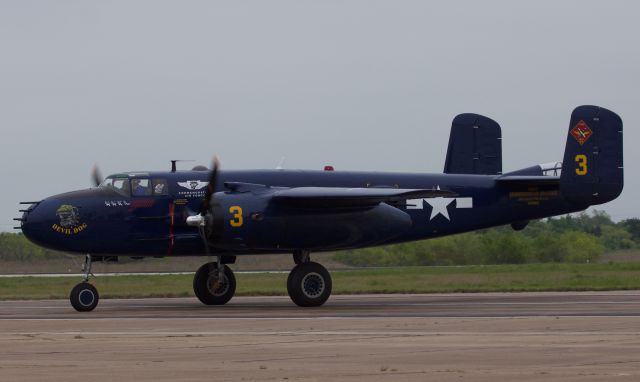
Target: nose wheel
<point>84,297</point>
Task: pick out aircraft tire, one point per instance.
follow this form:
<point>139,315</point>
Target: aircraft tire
<point>309,284</point>
<point>203,289</point>
<point>289,278</point>
<point>84,297</point>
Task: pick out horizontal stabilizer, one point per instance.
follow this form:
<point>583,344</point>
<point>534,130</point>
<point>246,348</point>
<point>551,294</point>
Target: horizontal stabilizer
<point>533,180</point>
<point>331,197</point>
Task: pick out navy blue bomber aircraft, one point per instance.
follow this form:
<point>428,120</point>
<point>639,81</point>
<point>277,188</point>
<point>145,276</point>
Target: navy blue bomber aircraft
<point>226,214</point>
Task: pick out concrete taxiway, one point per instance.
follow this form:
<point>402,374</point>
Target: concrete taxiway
<point>479,337</point>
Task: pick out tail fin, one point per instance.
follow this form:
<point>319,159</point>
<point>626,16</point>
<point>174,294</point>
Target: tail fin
<point>592,170</point>
<point>475,146</point>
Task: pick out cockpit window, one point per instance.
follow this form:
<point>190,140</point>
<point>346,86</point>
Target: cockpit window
<point>140,187</point>
<point>160,187</point>
<point>120,185</point>
<point>136,186</point>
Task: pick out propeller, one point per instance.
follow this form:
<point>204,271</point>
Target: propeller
<point>205,215</point>
<point>211,187</point>
<point>96,176</point>
<point>200,219</point>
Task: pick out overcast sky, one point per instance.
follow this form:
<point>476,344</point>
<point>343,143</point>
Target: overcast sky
<point>361,85</point>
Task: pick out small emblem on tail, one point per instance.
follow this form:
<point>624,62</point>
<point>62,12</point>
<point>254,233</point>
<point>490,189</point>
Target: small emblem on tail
<point>581,132</point>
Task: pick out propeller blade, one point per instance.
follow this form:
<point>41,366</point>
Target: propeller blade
<point>201,219</point>
<point>211,187</point>
<point>96,176</point>
<point>205,241</point>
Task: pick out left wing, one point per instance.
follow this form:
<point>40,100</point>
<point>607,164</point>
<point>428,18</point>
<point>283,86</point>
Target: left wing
<point>332,197</point>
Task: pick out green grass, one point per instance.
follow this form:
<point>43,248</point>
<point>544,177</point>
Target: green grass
<point>503,278</point>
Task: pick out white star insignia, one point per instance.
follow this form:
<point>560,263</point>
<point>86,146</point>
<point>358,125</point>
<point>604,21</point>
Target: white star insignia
<point>439,207</point>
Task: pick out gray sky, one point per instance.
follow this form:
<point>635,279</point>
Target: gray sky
<point>361,85</point>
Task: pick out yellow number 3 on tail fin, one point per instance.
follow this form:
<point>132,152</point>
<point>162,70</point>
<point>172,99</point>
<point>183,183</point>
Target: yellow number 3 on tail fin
<point>581,159</point>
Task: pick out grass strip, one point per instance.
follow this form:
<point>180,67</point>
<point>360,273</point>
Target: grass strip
<point>497,278</point>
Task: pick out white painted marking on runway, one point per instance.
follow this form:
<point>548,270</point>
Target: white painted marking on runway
<point>171,308</point>
<point>122,274</point>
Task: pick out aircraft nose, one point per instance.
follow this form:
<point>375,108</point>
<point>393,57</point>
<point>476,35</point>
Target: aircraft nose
<point>52,221</point>
<point>34,221</point>
<point>69,222</point>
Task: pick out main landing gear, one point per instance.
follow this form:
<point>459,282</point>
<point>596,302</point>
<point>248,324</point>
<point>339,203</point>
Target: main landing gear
<point>308,284</point>
<point>84,296</point>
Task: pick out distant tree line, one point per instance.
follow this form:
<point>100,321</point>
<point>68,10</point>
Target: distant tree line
<point>15,247</point>
<point>571,238</point>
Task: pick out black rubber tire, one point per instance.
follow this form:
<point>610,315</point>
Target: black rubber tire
<point>84,297</point>
<point>289,278</point>
<point>309,284</point>
<point>202,290</point>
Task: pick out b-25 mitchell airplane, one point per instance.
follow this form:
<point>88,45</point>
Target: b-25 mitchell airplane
<point>227,214</point>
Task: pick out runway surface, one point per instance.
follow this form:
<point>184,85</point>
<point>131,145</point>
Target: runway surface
<point>479,337</point>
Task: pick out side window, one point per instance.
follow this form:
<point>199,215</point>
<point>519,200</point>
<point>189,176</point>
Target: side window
<point>160,187</point>
<point>140,187</point>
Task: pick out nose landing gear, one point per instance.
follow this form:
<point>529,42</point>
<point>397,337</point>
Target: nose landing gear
<point>84,297</point>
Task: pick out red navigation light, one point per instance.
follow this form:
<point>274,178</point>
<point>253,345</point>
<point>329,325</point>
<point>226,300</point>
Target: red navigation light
<point>328,168</point>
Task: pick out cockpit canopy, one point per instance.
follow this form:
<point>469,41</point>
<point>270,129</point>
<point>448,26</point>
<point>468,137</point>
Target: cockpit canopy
<point>551,169</point>
<point>136,185</point>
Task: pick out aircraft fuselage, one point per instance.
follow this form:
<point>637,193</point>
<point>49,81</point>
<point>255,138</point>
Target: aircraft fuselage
<point>103,221</point>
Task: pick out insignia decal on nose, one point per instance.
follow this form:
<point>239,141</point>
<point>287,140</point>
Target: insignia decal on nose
<point>69,220</point>
<point>194,189</point>
<point>193,184</point>
<point>581,132</point>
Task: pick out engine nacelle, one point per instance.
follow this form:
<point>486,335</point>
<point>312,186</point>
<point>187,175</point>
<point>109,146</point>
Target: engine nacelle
<point>248,221</point>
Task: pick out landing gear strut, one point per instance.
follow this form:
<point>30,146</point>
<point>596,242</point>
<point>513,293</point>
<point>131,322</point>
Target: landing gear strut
<point>214,283</point>
<point>84,296</point>
<point>309,283</point>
